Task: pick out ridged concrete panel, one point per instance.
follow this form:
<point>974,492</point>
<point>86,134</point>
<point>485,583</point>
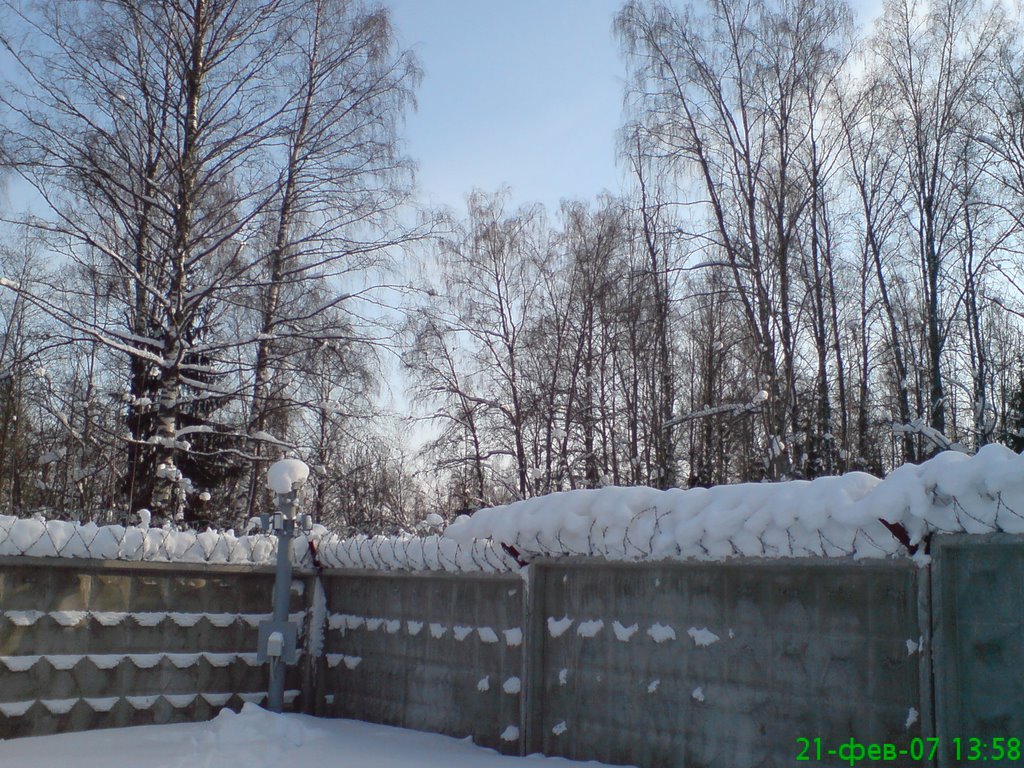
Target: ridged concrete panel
<point>723,664</point>
<point>118,643</point>
<point>428,652</point>
<point>978,586</point>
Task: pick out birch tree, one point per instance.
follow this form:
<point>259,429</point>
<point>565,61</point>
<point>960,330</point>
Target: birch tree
<point>722,92</point>
<point>200,158</point>
<point>928,59</point>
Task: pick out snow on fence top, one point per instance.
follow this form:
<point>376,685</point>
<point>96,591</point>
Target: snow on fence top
<point>826,517</point>
<point>56,538</point>
<point>855,515</point>
<point>415,553</point>
<point>829,516</point>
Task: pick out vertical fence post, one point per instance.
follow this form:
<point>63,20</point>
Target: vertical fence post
<point>282,593</point>
<point>533,660</point>
<point>278,637</point>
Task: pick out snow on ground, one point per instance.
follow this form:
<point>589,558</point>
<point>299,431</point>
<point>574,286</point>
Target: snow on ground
<point>255,738</point>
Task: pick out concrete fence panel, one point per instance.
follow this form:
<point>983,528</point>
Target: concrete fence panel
<point>93,644</point>
<point>653,664</point>
<point>725,663</point>
<point>433,652</point>
<point>978,584</point>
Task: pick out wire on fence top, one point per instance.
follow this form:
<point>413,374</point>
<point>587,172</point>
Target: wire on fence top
<point>855,515</point>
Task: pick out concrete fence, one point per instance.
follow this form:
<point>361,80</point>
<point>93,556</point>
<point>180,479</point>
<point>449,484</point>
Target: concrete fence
<point>94,644</point>
<point>736,663</point>
<point>436,652</point>
<point>661,664</point>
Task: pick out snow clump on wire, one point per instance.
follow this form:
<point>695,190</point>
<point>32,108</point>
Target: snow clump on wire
<point>851,515</point>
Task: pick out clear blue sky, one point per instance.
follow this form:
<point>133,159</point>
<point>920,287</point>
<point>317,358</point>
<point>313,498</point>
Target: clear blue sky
<point>520,92</point>
<point>527,93</point>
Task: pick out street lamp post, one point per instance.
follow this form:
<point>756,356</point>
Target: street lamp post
<point>278,637</point>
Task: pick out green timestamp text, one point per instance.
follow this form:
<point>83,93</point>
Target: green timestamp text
<point>963,750</point>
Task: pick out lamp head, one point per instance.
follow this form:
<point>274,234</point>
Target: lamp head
<point>287,475</point>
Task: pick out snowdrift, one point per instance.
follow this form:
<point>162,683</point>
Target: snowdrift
<point>854,515</point>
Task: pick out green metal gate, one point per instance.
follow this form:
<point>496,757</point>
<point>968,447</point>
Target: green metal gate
<point>978,661</point>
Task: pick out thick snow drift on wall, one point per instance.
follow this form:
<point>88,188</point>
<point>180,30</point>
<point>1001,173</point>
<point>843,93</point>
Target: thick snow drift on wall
<point>827,517</point>
<point>830,516</point>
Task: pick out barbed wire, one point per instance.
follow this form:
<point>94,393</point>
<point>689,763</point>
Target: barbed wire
<point>33,537</point>
<point>414,553</point>
<point>652,533</point>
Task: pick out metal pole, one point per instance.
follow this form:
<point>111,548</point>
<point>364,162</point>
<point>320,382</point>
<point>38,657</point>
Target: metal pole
<point>282,592</point>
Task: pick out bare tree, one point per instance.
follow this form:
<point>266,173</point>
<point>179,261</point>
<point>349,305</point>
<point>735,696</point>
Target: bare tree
<point>342,177</point>
<point>654,233</point>
<point>720,91</point>
<point>874,163</point>
<point>195,155</point>
<point>928,60</point>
